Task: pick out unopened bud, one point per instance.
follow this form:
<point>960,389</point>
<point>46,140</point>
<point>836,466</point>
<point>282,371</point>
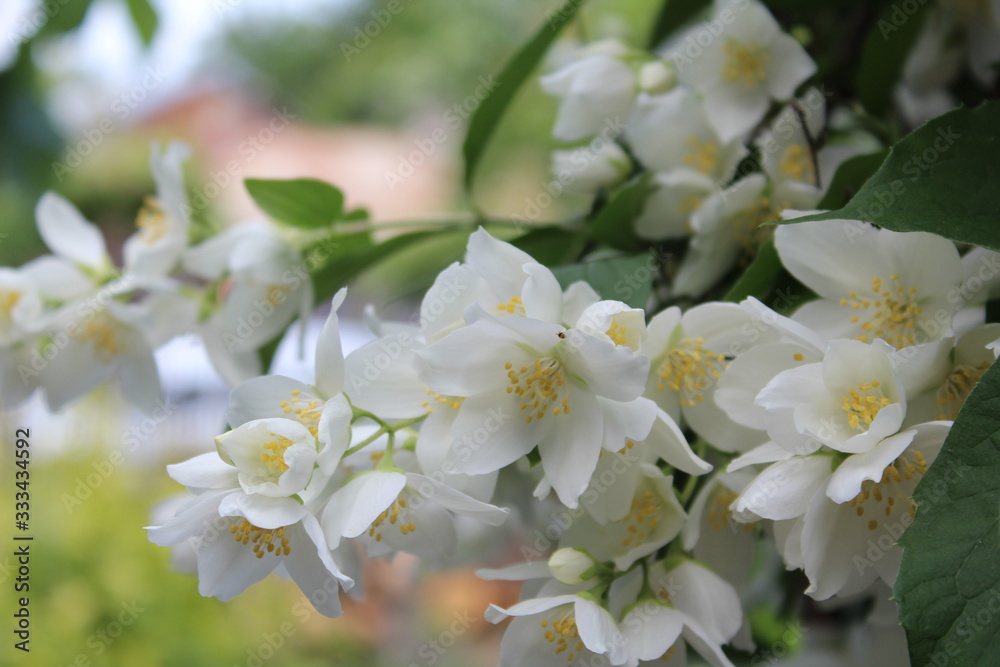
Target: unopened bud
<point>571,566</point>
<point>657,77</point>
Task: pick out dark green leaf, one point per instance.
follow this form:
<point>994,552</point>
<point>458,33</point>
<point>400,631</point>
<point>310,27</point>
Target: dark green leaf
<point>628,279</point>
<point>948,586</point>
<point>144,17</point>
<point>486,118</point>
<point>301,202</point>
<point>941,178</point>
<point>615,223</point>
<point>551,246</point>
<point>674,14</point>
<point>886,48</point>
<point>850,176</point>
<point>758,279</point>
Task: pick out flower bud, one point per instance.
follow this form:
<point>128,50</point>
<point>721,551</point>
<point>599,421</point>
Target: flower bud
<point>571,566</point>
<point>657,77</point>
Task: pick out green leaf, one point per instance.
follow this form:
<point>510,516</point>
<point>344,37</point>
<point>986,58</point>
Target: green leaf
<point>758,278</point>
<point>342,257</point>
<point>615,223</point>
<point>628,279</point>
<point>949,582</point>
<point>551,245</point>
<point>674,14</point>
<point>144,17</point>
<point>885,50</point>
<point>941,178</point>
<point>851,175</point>
<point>301,202</point>
<point>486,118</point>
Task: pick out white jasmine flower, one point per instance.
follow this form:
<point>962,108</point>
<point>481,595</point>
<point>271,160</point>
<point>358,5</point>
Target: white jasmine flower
<point>654,519</point>
<point>745,67</point>
<point>597,89</point>
<point>693,607</point>
<point>872,283</point>
<point>672,132</point>
<point>688,355</point>
<point>567,630</point>
<point>390,510</point>
<point>155,249</point>
<point>849,402</point>
<point>239,539</point>
<point>527,382</point>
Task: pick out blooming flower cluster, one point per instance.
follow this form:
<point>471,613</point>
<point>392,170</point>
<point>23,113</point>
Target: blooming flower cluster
<point>72,320</point>
<point>679,439</point>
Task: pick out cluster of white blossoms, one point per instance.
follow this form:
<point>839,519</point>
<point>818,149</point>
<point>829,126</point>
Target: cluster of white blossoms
<point>72,320</point>
<point>669,449</point>
<point>821,424</point>
<point>691,115</point>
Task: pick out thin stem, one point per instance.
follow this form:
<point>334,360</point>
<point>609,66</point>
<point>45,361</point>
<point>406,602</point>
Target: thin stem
<point>385,428</point>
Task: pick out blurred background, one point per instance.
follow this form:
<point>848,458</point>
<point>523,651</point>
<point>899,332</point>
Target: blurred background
<point>329,89</point>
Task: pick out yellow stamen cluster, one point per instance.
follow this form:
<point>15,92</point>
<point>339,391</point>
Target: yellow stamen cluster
<point>642,519</point>
<point>797,164</point>
<point>272,541</point>
<point>719,516</point>
<point>392,516</point>
<point>151,221</point>
<point>8,299</point>
<point>616,333</point>
<point>513,307</point>
<point>702,155</point>
<point>306,412</point>
<point>563,633</point>
<point>745,63</point>
<point>454,402</point>
<point>690,369</point>
<point>540,388</point>
<point>863,404</point>
<point>960,383</point>
<point>894,312</point>
<point>273,455</point>
<point>104,337</point>
<point>889,496</point>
